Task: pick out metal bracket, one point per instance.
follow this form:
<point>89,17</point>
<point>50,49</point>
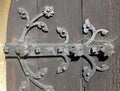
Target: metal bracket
<point>22,50</point>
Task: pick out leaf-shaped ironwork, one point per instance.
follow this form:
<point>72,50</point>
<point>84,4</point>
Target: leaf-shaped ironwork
<point>47,12</point>
<point>22,51</point>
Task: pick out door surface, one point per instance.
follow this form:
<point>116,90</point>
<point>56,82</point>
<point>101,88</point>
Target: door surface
<point>69,15</point>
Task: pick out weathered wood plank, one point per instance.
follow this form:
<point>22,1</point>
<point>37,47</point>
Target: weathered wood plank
<point>67,15</point>
<point>15,27</point>
<point>105,14</point>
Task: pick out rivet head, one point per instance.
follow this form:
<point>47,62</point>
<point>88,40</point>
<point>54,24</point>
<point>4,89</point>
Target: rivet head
<point>73,51</point>
<point>24,53</point>
<point>37,50</point>
<point>6,50</point>
<point>87,26</point>
<point>94,50</point>
<point>28,25</point>
<point>17,50</point>
<point>88,74</point>
<point>59,49</point>
<point>22,50</point>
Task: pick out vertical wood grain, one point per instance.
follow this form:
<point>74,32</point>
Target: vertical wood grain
<point>102,14</point>
<point>105,14</point>
<point>15,27</point>
<point>67,15</point>
<point>4,9</point>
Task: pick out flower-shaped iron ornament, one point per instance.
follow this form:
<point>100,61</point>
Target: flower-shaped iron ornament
<point>22,51</point>
<point>48,11</point>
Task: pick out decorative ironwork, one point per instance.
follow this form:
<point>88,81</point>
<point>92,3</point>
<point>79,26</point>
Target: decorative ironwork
<point>22,51</point>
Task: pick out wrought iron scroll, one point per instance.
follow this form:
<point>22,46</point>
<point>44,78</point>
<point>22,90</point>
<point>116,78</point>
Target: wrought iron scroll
<point>22,50</point>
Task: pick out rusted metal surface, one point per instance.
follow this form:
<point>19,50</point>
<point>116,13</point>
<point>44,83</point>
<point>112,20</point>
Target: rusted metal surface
<point>23,50</point>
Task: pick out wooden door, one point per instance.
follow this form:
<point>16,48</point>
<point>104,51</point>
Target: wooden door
<point>45,19</point>
<point>105,14</point>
